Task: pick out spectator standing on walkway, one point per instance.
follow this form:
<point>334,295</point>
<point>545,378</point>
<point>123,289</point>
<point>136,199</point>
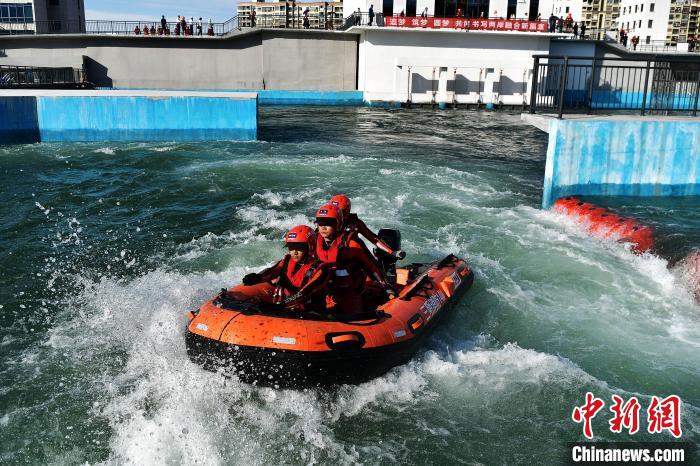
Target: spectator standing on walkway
<point>575,30</point>
<point>560,25</point>
<point>183,24</point>
<point>163,24</point>
<point>583,30</point>
<point>177,26</point>
<point>371,14</point>
<point>199,26</point>
<point>569,22</point>
<point>425,13</point>
<point>552,22</point>
<point>635,41</point>
<point>210,28</point>
<point>253,18</point>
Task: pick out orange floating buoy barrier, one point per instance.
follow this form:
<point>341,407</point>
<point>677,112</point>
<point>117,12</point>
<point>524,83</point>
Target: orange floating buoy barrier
<point>604,224</point>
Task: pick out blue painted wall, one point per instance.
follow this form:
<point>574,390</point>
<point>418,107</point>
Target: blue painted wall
<point>120,118</point>
<point>26,119</point>
<point>635,157</point>
<point>18,120</point>
<point>606,99</point>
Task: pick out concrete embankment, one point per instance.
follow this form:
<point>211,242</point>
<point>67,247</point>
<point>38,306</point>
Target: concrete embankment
<point>621,156</point>
<point>248,60</point>
<point>50,116</point>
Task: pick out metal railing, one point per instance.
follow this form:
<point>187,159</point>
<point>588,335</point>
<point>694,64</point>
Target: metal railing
<point>129,28</point>
<point>652,46</point>
<point>43,78</point>
<point>661,46</point>
<point>593,33</point>
<point>293,18</point>
<point>650,85</point>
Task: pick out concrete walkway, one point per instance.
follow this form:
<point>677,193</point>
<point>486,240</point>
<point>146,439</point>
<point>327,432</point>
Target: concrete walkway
<point>542,121</point>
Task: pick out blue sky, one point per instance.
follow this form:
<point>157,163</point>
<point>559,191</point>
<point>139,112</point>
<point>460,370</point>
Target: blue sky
<point>218,10</point>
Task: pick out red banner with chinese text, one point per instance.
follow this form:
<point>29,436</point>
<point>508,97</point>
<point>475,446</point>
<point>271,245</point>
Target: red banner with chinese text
<point>475,24</point>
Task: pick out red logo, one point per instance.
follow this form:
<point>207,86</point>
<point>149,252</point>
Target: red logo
<point>626,415</point>
<point>662,415</point>
<point>665,415</point>
<point>587,412</point>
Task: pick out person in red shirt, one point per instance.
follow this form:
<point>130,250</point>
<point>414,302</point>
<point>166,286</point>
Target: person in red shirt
<point>353,222</point>
<point>350,262</point>
<point>300,277</point>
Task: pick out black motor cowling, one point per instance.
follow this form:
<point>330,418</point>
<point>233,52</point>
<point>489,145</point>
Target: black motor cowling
<point>388,262</point>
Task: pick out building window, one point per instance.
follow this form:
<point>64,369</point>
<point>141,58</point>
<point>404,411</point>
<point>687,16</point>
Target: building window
<point>16,13</point>
<point>635,8</point>
<point>567,9</point>
<point>53,2</point>
<point>651,21</point>
<point>641,8</point>
<point>648,39</point>
<point>651,7</point>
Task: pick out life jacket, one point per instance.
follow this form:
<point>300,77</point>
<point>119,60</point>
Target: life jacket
<point>345,274</point>
<point>294,277</point>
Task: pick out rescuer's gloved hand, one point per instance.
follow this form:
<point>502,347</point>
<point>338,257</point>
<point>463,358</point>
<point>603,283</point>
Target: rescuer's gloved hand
<point>390,293</point>
<point>252,279</point>
<point>400,255</point>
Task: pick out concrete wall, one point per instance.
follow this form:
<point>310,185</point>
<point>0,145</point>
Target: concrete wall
<point>622,157</point>
<point>452,66</point>
<point>300,60</point>
<point>50,116</point>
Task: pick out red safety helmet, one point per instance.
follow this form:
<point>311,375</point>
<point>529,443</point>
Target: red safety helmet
<point>301,234</point>
<point>331,211</point>
<point>342,201</point>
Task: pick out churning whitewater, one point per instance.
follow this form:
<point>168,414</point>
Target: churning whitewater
<point>105,248</point>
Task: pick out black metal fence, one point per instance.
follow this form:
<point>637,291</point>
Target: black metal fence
<point>12,77</point>
<point>648,85</point>
<point>144,28</point>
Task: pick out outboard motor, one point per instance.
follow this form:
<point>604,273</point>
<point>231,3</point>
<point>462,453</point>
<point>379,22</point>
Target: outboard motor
<point>388,262</point>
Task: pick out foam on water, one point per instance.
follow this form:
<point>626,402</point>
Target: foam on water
<point>163,408</point>
<point>105,150</point>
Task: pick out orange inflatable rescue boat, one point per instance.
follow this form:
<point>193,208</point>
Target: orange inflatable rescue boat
<point>236,331</point>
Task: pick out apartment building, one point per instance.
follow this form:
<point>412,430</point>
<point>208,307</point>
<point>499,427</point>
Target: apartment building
<point>291,14</point>
<point>598,15</point>
<point>18,16</point>
<point>660,21</point>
